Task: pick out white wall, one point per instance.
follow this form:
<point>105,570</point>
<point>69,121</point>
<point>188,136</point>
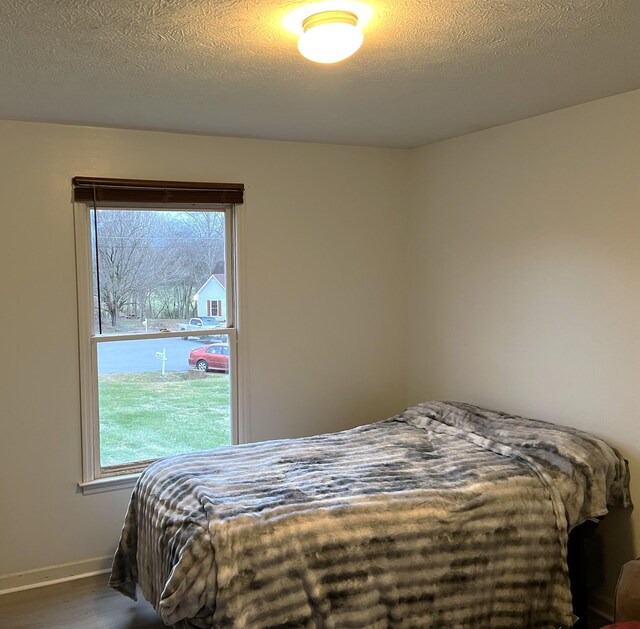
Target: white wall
<point>321,278</point>
<point>524,288</point>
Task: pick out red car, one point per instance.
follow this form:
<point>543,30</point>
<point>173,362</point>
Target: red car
<point>215,356</point>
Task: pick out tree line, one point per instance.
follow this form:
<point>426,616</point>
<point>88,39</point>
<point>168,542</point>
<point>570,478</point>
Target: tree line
<point>150,264</point>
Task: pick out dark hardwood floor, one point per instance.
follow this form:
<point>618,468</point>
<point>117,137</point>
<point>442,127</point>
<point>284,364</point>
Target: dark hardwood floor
<point>89,604</point>
<point>82,604</point>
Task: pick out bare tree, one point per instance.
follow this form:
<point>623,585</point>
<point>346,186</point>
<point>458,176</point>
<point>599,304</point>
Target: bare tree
<point>207,240</point>
<point>123,255</point>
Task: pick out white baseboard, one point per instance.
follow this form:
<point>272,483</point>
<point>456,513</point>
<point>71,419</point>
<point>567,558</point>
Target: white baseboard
<point>53,574</point>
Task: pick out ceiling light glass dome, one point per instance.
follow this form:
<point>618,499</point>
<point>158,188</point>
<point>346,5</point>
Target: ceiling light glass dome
<point>330,36</point>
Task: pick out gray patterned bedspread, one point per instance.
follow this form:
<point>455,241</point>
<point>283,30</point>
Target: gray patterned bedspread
<point>446,515</point>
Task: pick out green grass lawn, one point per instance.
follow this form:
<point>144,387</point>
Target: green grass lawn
<point>147,415</point>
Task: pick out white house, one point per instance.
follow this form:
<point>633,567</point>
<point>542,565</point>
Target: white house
<point>211,297</point>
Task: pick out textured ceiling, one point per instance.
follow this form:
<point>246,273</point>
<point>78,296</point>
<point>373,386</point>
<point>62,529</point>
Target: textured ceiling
<point>428,69</point>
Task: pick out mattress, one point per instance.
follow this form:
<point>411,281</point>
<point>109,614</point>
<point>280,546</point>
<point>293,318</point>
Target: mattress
<point>445,515</point>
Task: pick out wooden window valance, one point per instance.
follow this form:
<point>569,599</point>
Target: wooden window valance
<point>105,191</point>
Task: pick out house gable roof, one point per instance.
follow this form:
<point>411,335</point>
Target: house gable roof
<point>216,277</point>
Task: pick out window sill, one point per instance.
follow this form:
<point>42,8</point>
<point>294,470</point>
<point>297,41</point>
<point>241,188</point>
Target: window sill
<point>112,483</point>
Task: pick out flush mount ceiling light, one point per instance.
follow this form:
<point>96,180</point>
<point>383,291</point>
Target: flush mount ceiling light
<point>328,31</point>
<point>330,36</point>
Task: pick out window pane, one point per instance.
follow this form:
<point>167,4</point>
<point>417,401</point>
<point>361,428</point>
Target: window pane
<point>155,270</point>
<point>146,414</point>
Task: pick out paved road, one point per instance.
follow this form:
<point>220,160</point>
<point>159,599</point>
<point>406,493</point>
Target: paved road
<point>136,356</point>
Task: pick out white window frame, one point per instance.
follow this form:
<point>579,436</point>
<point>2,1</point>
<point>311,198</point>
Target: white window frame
<point>94,479</point>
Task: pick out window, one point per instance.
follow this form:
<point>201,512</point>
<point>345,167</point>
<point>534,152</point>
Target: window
<point>214,307</point>
<point>149,388</point>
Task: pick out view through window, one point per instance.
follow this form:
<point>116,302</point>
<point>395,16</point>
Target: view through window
<point>162,355</point>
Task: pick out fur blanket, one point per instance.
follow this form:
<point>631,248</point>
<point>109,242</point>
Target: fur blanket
<point>445,515</point>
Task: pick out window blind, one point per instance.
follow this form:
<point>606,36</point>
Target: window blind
<point>113,192</point>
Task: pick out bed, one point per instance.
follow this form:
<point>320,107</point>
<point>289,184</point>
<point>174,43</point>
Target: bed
<point>445,515</point>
